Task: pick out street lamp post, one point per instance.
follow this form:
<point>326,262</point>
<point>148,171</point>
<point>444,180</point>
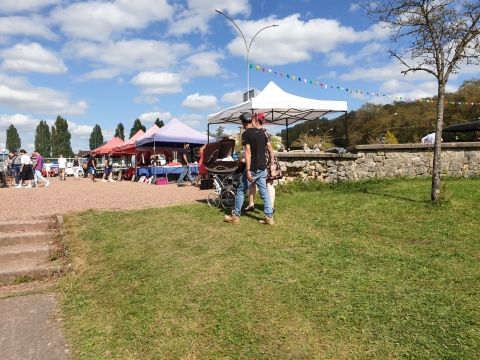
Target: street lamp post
<point>247,46</point>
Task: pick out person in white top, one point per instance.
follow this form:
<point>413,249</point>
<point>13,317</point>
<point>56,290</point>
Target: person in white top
<point>62,164</point>
<point>428,139</point>
<point>26,170</point>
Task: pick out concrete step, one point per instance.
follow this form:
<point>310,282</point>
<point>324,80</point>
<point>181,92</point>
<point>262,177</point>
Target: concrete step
<point>31,237</point>
<point>16,251</point>
<point>27,225</point>
<point>34,264</point>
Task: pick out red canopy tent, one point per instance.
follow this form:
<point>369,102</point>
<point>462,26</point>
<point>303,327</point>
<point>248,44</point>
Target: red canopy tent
<point>107,147</point>
<point>128,147</point>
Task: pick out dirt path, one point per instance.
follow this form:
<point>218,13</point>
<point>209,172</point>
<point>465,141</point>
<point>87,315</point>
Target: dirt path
<point>63,197</point>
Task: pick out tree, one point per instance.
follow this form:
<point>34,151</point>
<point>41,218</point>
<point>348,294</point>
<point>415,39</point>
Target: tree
<point>220,132</point>
<point>13,139</point>
<point>120,131</point>
<point>159,123</point>
<point>60,138</point>
<point>137,125</point>
<point>96,137</point>
<point>435,37</point>
<point>42,138</point>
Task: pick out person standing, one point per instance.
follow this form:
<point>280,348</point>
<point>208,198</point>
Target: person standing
<point>186,160</point>
<point>62,165</point>
<point>107,168</point>
<point>26,170</point>
<point>17,164</point>
<point>258,121</point>
<point>255,142</point>
<point>76,167</point>
<point>38,166</point>
<point>91,166</point>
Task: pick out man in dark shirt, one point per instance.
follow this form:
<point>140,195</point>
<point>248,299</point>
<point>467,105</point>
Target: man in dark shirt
<point>186,160</point>
<point>255,142</point>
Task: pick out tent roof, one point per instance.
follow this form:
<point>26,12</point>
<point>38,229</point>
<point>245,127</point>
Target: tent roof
<point>108,146</point>
<point>128,146</point>
<point>279,107</point>
<point>174,131</point>
<point>463,127</point>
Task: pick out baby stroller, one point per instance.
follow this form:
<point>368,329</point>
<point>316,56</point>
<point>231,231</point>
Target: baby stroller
<point>226,174</point>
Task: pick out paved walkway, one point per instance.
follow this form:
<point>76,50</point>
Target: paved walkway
<point>30,329</point>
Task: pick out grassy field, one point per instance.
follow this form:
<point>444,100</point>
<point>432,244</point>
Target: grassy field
<point>353,271</point>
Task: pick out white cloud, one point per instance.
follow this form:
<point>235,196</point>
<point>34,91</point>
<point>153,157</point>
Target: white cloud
<point>25,26</point>
<point>197,14</point>
<point>295,40</point>
<point>126,55</point>
<point>203,64</point>
<point>98,21</point>
<point>196,121</point>
<point>366,54</point>
<point>150,117</point>
<point>101,74</point>
<point>234,97</point>
<point>17,93</point>
<point>31,58</point>
<point>155,83</point>
<point>354,7</point>
<point>200,102</point>
<point>16,6</point>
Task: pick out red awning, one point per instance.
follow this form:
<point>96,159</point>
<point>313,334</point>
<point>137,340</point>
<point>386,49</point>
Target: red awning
<point>107,147</point>
<point>128,147</point>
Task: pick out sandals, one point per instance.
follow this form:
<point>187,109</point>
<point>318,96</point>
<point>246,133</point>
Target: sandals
<point>249,208</point>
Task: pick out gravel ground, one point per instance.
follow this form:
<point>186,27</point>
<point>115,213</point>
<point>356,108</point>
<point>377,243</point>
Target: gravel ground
<point>63,197</point>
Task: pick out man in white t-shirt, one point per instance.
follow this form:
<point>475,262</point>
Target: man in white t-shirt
<point>62,164</point>
<point>428,139</point>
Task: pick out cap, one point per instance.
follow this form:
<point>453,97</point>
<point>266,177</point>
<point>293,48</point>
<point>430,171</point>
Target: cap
<point>246,117</point>
<point>261,116</point>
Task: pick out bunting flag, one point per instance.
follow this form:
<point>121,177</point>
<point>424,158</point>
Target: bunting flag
<point>326,86</point>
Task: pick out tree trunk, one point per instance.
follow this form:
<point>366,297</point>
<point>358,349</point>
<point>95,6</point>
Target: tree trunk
<point>437,152</point>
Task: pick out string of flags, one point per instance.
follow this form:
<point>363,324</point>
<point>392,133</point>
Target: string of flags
<point>326,86</point>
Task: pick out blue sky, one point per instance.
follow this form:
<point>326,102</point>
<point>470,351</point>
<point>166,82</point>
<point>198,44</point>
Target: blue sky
<point>105,62</point>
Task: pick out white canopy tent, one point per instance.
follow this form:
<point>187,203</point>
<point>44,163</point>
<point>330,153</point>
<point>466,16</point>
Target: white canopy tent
<point>279,107</point>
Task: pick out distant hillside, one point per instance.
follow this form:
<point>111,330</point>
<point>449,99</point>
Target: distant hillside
<point>408,122</point>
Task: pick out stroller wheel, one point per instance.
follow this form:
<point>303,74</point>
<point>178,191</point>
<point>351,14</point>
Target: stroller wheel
<point>213,200</point>
<point>228,199</point>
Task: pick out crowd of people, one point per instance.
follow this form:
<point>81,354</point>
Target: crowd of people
<point>25,171</point>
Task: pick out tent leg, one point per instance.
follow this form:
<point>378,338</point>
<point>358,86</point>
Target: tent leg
<point>208,133</point>
<point>286,127</point>
<point>346,130</point>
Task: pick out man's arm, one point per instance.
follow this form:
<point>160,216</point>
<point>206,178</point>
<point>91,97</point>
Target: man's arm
<point>248,161</point>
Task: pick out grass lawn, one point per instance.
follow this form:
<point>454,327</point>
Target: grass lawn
<point>365,270</point>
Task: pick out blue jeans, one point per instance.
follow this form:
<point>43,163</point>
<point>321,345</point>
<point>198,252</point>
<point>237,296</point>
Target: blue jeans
<point>38,177</point>
<point>16,170</point>
<point>260,178</point>
<point>186,172</point>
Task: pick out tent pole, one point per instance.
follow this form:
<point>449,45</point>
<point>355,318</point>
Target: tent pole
<point>208,133</point>
<point>286,127</point>
<point>346,130</point>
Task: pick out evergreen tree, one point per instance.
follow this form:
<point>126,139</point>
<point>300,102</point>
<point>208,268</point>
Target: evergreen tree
<point>53,146</point>
<point>60,138</point>
<point>159,123</point>
<point>120,131</point>
<point>96,137</point>
<point>137,125</point>
<point>42,138</point>
<point>13,139</point>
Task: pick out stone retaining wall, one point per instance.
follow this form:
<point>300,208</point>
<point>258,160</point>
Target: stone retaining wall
<point>381,161</point>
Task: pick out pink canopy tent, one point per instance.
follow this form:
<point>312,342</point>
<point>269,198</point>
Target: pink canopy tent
<point>108,146</point>
<point>128,147</point>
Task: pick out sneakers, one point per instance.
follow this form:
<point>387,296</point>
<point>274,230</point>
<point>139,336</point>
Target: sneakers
<point>103,180</point>
<point>267,221</point>
<point>29,186</point>
<point>18,186</point>
<point>232,219</point>
<point>249,208</point>
<point>47,184</point>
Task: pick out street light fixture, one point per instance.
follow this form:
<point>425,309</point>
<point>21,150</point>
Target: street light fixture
<point>247,46</point>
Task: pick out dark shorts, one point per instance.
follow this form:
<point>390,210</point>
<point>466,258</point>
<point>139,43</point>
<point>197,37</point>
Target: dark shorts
<point>108,171</point>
